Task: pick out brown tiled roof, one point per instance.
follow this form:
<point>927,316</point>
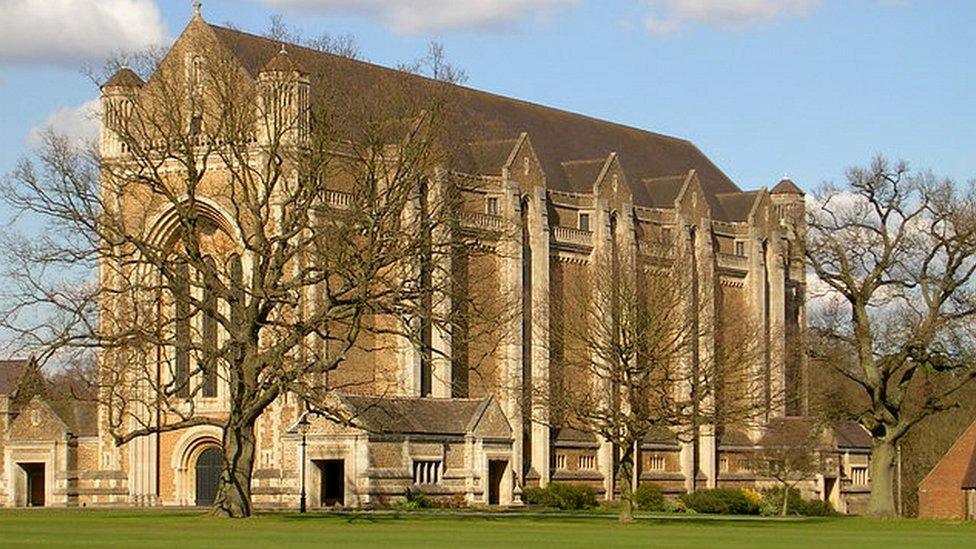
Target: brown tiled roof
<point>489,157</point>
<point>565,434</point>
<point>581,174</point>
<point>124,78</point>
<point>10,372</point>
<point>81,417</point>
<point>414,415</point>
<point>786,431</point>
<point>662,436</point>
<point>282,62</point>
<point>556,135</point>
<point>734,437</point>
<point>661,192</point>
<point>850,434</point>
<point>786,186</point>
<point>735,206</point>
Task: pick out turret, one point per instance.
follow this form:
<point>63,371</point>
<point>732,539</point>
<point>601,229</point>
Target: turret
<point>118,97</point>
<point>284,92</point>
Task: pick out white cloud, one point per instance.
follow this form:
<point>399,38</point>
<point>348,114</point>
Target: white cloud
<point>68,32</point>
<point>430,15</point>
<point>670,16</point>
<point>79,124</point>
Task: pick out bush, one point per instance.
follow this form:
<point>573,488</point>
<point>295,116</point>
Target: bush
<point>572,496</point>
<point>561,496</point>
<point>537,496</point>
<point>724,501</point>
<point>413,499</point>
<point>649,497</point>
<point>773,504</point>
<point>818,508</point>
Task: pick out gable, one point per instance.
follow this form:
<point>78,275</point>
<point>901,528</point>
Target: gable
<point>37,422</point>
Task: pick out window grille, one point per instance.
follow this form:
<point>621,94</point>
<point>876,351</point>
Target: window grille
<point>587,462</point>
<point>656,463</point>
<point>859,476</point>
<point>426,472</point>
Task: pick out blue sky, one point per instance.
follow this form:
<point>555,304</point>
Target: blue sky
<point>763,87</point>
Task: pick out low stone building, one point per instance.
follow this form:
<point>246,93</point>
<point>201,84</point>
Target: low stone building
<point>949,490</point>
<point>48,444</point>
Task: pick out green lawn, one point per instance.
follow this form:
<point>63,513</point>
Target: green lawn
<point>87,528</point>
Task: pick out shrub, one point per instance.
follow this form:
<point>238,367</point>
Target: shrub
<point>561,496</point>
<point>773,504</point>
<point>649,497</point>
<point>413,499</point>
<point>572,496</point>
<point>720,501</point>
<point>818,508</point>
<point>537,496</point>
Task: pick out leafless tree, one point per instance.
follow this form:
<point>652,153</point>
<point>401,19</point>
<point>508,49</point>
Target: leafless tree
<point>789,453</point>
<point>635,359</point>
<point>343,45</point>
<point>896,252</point>
<point>241,233</point>
<point>436,65</point>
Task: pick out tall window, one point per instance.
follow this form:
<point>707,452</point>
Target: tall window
<point>209,335</point>
<point>181,297</point>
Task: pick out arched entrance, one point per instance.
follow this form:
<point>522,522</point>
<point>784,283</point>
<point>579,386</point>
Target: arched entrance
<point>207,475</point>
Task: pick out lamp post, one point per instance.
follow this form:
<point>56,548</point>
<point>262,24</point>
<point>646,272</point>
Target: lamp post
<point>303,429</point>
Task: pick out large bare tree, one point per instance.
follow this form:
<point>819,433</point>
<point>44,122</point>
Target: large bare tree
<point>635,359</point>
<point>245,232</point>
<point>896,253</point>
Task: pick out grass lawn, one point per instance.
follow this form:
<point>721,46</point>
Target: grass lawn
<point>87,528</point>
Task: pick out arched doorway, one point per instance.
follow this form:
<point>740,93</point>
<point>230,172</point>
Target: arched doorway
<point>208,474</point>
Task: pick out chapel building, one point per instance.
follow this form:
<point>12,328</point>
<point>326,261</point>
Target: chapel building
<point>574,188</point>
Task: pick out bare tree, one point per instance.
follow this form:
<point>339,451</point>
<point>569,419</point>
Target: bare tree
<point>789,453</point>
<point>436,65</point>
<point>896,252</point>
<point>343,45</point>
<point>240,237</point>
<point>629,365</point>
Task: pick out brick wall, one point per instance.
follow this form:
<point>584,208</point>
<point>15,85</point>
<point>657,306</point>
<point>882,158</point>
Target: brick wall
<point>940,494</point>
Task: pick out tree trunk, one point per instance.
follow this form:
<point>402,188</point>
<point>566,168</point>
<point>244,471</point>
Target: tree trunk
<point>625,475</point>
<point>234,490</point>
<point>786,500</point>
<point>882,500</point>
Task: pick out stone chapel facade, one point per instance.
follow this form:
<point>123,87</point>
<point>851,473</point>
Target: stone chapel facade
<point>573,185</point>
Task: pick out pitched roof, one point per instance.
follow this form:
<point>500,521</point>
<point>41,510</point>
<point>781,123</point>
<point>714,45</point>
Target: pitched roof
<point>282,62</point>
<point>566,434</point>
<point>489,157</point>
<point>661,192</point>
<point>850,434</point>
<point>10,372</point>
<point>124,78</point>
<point>81,417</point>
<point>582,174</point>
<point>786,186</point>
<point>787,431</point>
<point>735,206</point>
<point>557,135</point>
<point>416,415</point>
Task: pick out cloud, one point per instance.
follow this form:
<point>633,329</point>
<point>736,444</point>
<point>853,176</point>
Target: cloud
<point>669,17</point>
<point>413,16</point>
<point>79,124</point>
<point>69,32</point>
